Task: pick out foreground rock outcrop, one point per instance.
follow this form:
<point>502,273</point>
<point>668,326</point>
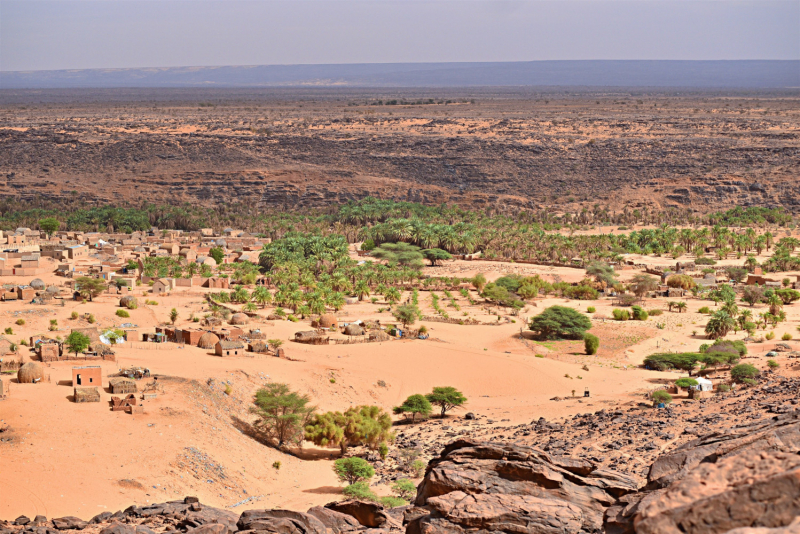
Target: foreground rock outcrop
<point>745,480</point>
<point>748,477</point>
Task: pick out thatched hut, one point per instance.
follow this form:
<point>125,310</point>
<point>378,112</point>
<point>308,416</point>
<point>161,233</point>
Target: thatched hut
<point>122,385</point>
<point>328,320</point>
<point>258,346</point>
<point>239,319</point>
<point>208,341</point>
<point>37,284</point>
<point>87,395</point>
<point>30,373</point>
<point>310,337</point>
<point>379,335</point>
<point>129,301</point>
<point>353,330</point>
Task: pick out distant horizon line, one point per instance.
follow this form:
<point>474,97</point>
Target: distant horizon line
<point>255,65</point>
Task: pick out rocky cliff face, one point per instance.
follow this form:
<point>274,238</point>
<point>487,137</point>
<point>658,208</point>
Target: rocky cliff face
<point>742,481</point>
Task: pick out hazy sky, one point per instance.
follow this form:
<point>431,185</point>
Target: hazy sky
<point>68,34</point>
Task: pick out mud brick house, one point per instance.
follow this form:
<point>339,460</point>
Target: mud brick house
<point>229,334</point>
<point>48,351</point>
<point>87,376</point>
<point>5,345</point>
<point>190,337</point>
<point>25,293</point>
<point>163,285</point>
<point>217,283</point>
<point>229,348</point>
<point>77,252</point>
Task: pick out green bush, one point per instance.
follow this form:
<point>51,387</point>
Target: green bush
<point>638,313</point>
<point>591,309</point>
<point>415,405</point>
<point>723,388</point>
<point>73,315</point>
<point>705,261</point>
<point>661,396</point>
<point>772,364</point>
<point>685,382</point>
<point>704,309</point>
<point>786,337</point>
<point>620,315</point>
<point>769,336</point>
<point>20,322</point>
<point>392,502</point>
<point>685,361</point>
<point>404,488</point>
<point>655,313</point>
<point>360,491</point>
<point>743,371</point>
<point>383,450</point>
<point>560,322</point>
<point>353,470</point>
<point>123,313</point>
<point>591,343</point>
<point>90,319</point>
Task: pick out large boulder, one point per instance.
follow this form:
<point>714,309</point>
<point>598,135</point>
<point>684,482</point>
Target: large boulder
<point>335,522</point>
<point>368,514</point>
<point>280,522</point>
<point>69,523</point>
<point>509,488</point>
<point>746,478</point>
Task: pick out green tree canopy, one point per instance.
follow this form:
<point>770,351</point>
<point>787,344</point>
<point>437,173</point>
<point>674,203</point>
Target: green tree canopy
<point>353,470</point>
<point>415,405</point>
<point>446,398</point>
<point>49,225</point>
<point>436,255</point>
<point>406,313</point>
<point>89,287</point>
<point>77,342</point>
<point>399,254</point>
<point>282,413</point>
<point>560,322</point>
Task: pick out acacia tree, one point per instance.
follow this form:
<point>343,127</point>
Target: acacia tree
<point>89,287</point>
<point>415,404</point>
<point>642,284</point>
<point>282,413</point>
<point>77,342</point>
<point>446,398</point>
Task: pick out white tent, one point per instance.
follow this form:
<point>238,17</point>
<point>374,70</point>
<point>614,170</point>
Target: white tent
<point>704,384</point>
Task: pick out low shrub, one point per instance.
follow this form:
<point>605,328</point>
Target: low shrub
<point>122,313</point>
<point>661,396</point>
<point>769,336</point>
<point>638,313</point>
<point>786,337</point>
<point>655,313</point>
<point>704,309</point>
<point>20,322</point>
<point>591,343</point>
<point>360,491</point>
<point>620,315</point>
<point>723,388</point>
<point>744,371</point>
<point>591,309</point>
<point>685,382</point>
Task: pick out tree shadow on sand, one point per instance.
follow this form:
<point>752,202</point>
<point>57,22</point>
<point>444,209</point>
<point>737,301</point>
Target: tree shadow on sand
<point>302,453</point>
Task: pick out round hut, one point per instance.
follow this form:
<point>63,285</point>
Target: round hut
<point>37,284</point>
<point>239,319</point>
<point>207,341</point>
<point>53,290</point>
<point>328,320</point>
<point>379,335</point>
<point>30,373</point>
<point>353,330</point>
<point>129,301</point>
